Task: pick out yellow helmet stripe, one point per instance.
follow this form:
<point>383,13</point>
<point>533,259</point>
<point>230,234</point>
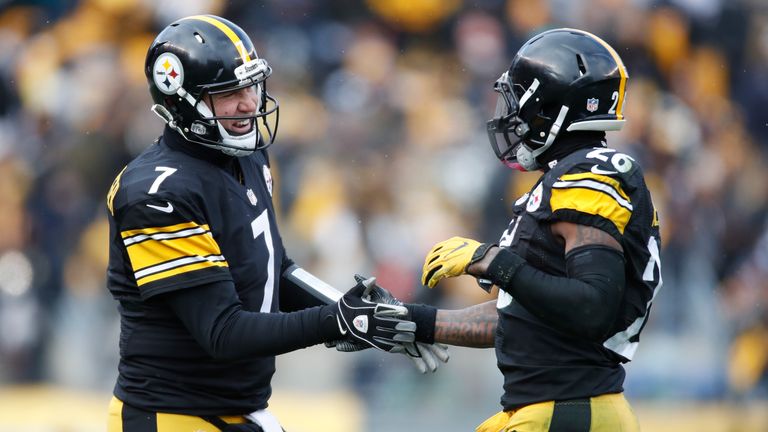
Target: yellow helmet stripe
<point>622,71</point>
<point>239,45</point>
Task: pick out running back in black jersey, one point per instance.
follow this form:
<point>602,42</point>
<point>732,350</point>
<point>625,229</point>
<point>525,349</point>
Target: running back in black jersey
<point>177,222</point>
<point>597,187</point>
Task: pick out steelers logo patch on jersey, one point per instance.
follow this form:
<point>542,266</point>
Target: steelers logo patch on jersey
<point>168,73</point>
<point>534,201</point>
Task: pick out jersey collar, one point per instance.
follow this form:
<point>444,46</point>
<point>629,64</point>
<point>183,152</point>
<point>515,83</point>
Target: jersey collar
<point>175,141</point>
<point>569,143</point>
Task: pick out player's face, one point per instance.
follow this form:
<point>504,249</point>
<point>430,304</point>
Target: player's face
<point>237,103</point>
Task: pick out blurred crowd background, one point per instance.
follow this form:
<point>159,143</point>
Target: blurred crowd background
<point>382,151</point>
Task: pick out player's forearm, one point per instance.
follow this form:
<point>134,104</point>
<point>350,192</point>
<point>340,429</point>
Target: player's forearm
<point>214,317</point>
<point>474,326</point>
<point>583,304</point>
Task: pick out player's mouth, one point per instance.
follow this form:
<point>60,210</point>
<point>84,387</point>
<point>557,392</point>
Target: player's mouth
<point>242,127</point>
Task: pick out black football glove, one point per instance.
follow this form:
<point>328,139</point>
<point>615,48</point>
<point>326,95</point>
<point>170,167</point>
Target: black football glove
<point>425,357</point>
<point>379,325</point>
<point>347,345</point>
<point>377,294</point>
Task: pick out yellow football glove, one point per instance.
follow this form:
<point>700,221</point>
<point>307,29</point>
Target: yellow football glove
<point>451,258</point>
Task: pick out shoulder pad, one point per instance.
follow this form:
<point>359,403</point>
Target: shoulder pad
<point>599,161</point>
<point>144,181</point>
<point>591,187</point>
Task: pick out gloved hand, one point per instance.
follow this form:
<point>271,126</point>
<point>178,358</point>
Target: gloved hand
<point>347,345</point>
<point>414,350</point>
<point>425,357</point>
<point>450,258</point>
<point>379,325</point>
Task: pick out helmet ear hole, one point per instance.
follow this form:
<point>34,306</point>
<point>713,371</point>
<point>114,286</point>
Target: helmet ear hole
<point>580,62</point>
<point>172,103</point>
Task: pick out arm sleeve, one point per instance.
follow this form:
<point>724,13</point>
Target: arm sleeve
<point>584,304</point>
<point>214,316</point>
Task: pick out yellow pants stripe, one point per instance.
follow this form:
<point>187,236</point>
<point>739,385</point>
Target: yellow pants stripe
<point>607,413</point>
<point>123,418</point>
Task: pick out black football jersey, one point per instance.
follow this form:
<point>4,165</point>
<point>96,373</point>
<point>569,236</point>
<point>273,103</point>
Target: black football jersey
<point>178,221</point>
<point>597,187</point>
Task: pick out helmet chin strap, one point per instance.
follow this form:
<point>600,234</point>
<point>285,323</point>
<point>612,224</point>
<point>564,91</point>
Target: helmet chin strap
<point>232,145</point>
<point>167,117</point>
<point>527,158</point>
<point>238,145</point>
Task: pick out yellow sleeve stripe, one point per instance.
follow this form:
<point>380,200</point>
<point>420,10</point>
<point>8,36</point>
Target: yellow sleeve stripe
<point>591,201</point>
<point>596,186</point>
<point>153,251</point>
<point>174,268</point>
<point>113,191</point>
<point>597,177</point>
<point>161,252</point>
<point>227,31</point>
<point>165,229</point>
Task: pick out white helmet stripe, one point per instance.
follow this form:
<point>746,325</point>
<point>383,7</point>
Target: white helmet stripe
<point>531,90</point>
<point>555,129</point>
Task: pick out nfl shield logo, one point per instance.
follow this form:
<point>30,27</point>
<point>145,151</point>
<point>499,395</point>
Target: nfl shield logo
<point>592,104</point>
<point>361,323</point>
<point>251,196</point>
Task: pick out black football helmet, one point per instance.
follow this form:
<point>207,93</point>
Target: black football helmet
<point>204,55</point>
<point>562,79</point>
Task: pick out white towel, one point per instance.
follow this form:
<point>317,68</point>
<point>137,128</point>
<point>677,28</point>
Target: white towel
<point>266,420</point>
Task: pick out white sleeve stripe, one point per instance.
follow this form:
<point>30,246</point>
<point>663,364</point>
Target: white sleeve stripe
<point>164,236</point>
<point>619,343</point>
<point>176,263</point>
<point>309,281</point>
<point>595,185</point>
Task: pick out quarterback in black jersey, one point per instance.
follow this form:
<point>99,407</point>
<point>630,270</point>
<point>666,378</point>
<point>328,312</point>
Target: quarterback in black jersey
<point>579,265</point>
<point>207,295</point>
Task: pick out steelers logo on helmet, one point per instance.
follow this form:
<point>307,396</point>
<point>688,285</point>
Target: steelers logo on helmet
<point>168,73</point>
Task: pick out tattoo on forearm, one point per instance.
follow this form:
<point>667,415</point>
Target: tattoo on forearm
<point>586,235</point>
<point>474,326</point>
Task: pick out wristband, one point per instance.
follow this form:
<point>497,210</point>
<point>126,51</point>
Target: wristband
<point>503,268</point>
<point>424,316</point>
<point>480,252</point>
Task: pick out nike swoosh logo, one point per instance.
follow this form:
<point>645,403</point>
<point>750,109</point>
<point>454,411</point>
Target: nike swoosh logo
<point>597,170</point>
<point>465,244</point>
<point>167,209</point>
<point>342,330</point>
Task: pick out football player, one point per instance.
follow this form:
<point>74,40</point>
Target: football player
<point>207,294</point>
<point>578,266</point>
